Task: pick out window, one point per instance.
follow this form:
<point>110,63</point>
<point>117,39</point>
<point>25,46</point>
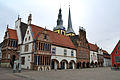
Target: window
<point>14,44</point>
<point>63,33</point>
<point>46,48</point>
<point>115,52</point>
<point>53,50</point>
<point>26,48</point>
<point>118,47</point>
<point>27,32</point>
<point>25,39</point>
<point>117,59</point>
<point>72,53</point>
<point>28,58</point>
<point>45,36</point>
<point>65,52</point>
<point>29,37</point>
<point>23,60</point>
<point>9,43</point>
<point>41,46</point>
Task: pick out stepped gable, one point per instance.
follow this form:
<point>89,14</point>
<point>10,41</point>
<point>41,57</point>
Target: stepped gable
<point>23,28</point>
<point>57,39</point>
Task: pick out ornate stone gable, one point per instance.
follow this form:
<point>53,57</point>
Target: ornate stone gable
<point>44,36</point>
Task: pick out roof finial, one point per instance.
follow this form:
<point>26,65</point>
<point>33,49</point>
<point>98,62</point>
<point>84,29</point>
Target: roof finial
<point>7,26</point>
<point>29,19</point>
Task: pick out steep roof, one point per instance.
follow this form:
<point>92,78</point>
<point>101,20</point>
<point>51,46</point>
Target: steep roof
<point>106,54</point>
<point>93,47</point>
<point>74,39</point>
<point>23,28</point>
<point>117,48</point>
<point>12,34</point>
<point>57,39</point>
<point>69,29</point>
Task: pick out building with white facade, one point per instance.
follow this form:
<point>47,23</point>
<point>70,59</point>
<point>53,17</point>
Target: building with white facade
<point>93,54</point>
<point>107,58</point>
<point>42,49</point>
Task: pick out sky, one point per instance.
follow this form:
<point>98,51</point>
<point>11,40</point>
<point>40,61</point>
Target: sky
<point>100,18</point>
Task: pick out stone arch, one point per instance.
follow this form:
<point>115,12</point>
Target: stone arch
<point>78,65</point>
<point>96,64</point>
<point>83,64</point>
<point>54,64</point>
<point>87,64</point>
<point>72,64</point>
<point>64,64</point>
<point>92,64</point>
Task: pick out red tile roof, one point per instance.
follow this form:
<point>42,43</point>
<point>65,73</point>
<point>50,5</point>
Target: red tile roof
<point>105,54</point>
<point>93,47</point>
<point>104,51</point>
<point>57,39</point>
<point>12,34</point>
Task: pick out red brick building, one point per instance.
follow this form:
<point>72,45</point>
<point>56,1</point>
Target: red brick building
<point>83,50</point>
<point>9,48</point>
<point>116,55</point>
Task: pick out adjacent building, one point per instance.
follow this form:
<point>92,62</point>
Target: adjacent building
<point>9,48</point>
<point>93,55</point>
<point>107,59</point>
<point>82,47</point>
<point>116,55</point>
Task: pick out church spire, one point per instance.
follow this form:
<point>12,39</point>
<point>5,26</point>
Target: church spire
<point>70,29</point>
<point>59,20</point>
<point>59,27</point>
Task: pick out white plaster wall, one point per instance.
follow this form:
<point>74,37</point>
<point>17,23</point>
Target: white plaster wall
<point>107,62</point>
<point>29,42</point>
<point>27,61</point>
<point>17,27</point>
<point>60,54</point>
<point>100,52</point>
<point>29,52</point>
<point>94,57</point>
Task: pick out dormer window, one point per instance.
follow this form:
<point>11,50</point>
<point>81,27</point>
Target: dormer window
<point>29,37</point>
<point>45,36</point>
<point>25,39</point>
<point>27,32</point>
<point>62,33</point>
<point>116,52</point>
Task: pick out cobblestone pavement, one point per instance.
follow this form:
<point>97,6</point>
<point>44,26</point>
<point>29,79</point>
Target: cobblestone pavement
<point>77,74</point>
